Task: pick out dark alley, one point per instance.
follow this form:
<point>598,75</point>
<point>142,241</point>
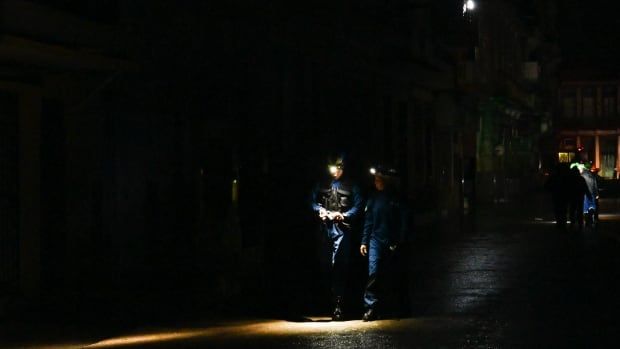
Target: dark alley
<point>356,173</point>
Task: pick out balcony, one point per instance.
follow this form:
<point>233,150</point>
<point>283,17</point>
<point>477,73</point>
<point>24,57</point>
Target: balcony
<point>46,25</point>
<point>41,36</point>
<point>598,123</point>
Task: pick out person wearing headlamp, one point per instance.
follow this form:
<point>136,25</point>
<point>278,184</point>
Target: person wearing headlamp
<point>337,202</point>
<point>385,226</point>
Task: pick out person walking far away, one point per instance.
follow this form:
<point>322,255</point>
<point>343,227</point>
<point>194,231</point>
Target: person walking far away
<point>337,202</point>
<point>577,190</point>
<point>590,207</point>
<point>558,185</point>
<point>385,226</point>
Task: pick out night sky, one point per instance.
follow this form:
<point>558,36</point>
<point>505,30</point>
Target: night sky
<point>589,34</point>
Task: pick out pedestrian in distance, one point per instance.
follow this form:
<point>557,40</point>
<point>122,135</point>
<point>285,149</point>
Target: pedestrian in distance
<point>558,186</point>
<point>590,199</point>
<point>577,190</point>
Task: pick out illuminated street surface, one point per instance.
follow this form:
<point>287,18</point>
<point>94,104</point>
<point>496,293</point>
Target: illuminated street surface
<point>313,332</point>
<point>512,282</point>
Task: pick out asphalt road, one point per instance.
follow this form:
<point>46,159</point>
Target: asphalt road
<point>512,281</point>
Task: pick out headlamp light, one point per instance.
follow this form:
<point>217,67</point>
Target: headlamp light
<point>383,171</point>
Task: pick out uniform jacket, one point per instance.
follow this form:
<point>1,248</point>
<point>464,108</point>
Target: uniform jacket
<point>386,219</point>
<point>338,195</point>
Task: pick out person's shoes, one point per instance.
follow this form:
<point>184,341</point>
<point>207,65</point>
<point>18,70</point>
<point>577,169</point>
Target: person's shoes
<point>369,315</point>
<point>337,314</point>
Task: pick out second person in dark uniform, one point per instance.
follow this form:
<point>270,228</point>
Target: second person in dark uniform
<point>385,226</point>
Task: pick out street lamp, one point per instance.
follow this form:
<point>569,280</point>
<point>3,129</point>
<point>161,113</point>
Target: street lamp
<point>469,5</point>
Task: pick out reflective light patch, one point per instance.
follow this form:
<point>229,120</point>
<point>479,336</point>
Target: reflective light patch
<point>257,328</point>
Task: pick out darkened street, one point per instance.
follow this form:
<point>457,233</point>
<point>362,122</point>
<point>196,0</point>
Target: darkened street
<point>514,282</point>
<point>355,173</point>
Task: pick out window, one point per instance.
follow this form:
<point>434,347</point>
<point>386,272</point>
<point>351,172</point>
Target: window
<point>568,102</point>
<point>568,107</point>
<point>609,101</point>
<point>587,94</point>
<point>566,157</point>
<point>609,148</point>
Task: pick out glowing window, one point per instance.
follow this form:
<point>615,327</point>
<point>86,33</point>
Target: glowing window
<point>566,157</point>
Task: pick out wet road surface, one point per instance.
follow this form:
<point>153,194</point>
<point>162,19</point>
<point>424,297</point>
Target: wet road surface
<point>514,281</point>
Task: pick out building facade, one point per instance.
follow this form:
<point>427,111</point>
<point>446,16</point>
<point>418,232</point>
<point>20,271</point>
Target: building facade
<point>54,65</point>
<point>587,122</point>
<point>509,79</point>
<point>194,172</point>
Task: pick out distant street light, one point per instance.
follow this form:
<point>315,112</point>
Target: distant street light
<point>469,5</point>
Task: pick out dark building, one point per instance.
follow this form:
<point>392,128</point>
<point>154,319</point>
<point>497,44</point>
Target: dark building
<point>586,123</point>
<point>299,81</point>
<point>54,65</point>
<point>510,80</point>
<point>166,150</point>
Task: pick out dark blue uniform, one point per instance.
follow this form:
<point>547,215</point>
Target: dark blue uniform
<point>338,196</point>
<point>385,225</point>
<point>590,202</point>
